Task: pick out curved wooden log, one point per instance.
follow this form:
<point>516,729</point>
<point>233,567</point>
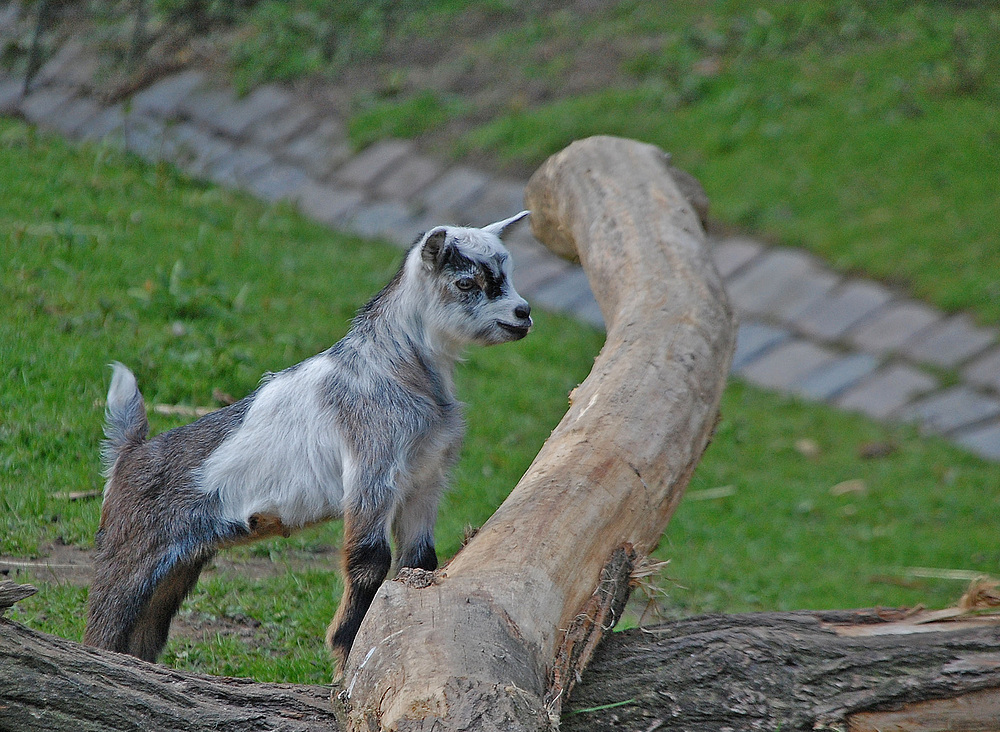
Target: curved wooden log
<point>476,644</point>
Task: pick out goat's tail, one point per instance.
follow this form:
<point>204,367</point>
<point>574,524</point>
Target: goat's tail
<point>124,417</point>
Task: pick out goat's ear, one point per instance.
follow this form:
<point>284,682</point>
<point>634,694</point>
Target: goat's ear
<point>498,228</point>
<point>433,247</point>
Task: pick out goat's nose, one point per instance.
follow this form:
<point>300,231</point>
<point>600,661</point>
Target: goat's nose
<point>522,311</point>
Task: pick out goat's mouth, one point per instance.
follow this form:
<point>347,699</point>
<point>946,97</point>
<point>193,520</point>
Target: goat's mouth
<point>518,331</point>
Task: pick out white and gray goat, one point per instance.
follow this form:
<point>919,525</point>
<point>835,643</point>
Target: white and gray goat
<point>366,430</point>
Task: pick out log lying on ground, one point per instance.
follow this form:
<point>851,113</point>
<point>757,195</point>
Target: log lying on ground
<point>480,642</point>
<point>851,670</point>
<point>48,683</point>
<point>859,670</point>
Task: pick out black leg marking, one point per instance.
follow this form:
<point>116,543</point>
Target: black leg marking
<point>421,556</point>
<point>367,565</point>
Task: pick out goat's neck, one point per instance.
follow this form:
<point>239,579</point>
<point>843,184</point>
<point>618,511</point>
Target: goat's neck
<point>401,328</point>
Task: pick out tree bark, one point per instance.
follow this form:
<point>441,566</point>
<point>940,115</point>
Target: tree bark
<point>847,670</point>
<point>477,644</point>
<point>48,683</point>
<point>852,670</point>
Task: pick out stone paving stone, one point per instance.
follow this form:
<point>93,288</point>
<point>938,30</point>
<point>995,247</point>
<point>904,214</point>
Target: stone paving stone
<point>71,65</point>
<point>407,231</point>
<point>108,123</point>
<point>450,193</point>
<point>236,168</point>
<point>589,311</point>
<point>754,287</point>
<point>203,104</point>
<point>193,149</point>
<point>529,276</point>
<point>754,339</point>
<point>832,379</point>
<point>985,370</point>
<point>163,98</point>
<point>887,391</point>
<point>560,293</point>
<point>410,177</point>
<point>983,440</point>
<point>278,182</point>
<point>519,238</point>
<point>77,113</point>
<point>295,119</point>
<point>10,14</point>
<point>380,219</point>
<point>498,201</point>
<point>10,94</point>
<point>369,166</point>
<point>892,326</point>
<point>733,253</point>
<point>144,136</point>
<point>329,204</point>
<point>43,106</point>
<point>790,298</point>
<point>951,410</point>
<point>950,342</point>
<point>832,316</point>
<point>527,255</point>
<point>784,366</point>
<point>238,118</point>
<point>321,151</point>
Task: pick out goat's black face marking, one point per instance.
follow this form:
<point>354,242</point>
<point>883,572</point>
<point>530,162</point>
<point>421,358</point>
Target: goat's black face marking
<point>487,273</point>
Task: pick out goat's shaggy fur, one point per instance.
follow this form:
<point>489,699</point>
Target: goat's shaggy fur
<point>366,430</point>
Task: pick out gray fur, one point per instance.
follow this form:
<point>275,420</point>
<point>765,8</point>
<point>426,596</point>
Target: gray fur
<point>367,430</point>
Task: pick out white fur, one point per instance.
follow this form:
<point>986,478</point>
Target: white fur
<point>286,459</point>
<point>123,387</point>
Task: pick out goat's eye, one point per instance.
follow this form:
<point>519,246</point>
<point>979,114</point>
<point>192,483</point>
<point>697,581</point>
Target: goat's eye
<point>465,284</point>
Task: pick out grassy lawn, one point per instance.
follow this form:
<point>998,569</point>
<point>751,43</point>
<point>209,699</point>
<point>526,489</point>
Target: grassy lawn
<point>200,291</point>
<point>866,132</point>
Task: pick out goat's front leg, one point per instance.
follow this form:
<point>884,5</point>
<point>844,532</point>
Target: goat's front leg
<point>413,530</point>
<point>366,559</point>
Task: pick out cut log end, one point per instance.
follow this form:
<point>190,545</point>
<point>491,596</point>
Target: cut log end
<point>11,592</point>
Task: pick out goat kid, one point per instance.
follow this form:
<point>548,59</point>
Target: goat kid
<point>366,430</point>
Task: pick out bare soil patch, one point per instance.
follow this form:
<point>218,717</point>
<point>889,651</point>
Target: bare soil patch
<point>61,563</point>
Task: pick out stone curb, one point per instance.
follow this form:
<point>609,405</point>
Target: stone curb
<point>806,331</point>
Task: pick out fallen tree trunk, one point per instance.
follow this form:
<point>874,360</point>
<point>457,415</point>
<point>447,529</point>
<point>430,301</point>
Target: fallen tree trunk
<point>846,670</point>
<point>851,670</point>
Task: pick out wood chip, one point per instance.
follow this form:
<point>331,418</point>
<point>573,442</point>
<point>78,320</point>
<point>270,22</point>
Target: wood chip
<point>848,486</point>
<point>723,491</point>
<point>182,410</point>
<point>78,495</point>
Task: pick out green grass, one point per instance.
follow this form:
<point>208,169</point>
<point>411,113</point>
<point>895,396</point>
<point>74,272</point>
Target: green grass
<point>377,119</point>
<point>91,240</point>
<point>867,132</point>
<point>870,135</point>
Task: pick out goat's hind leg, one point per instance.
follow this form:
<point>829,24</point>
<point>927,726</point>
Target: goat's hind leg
<point>136,593</point>
<point>149,635</point>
